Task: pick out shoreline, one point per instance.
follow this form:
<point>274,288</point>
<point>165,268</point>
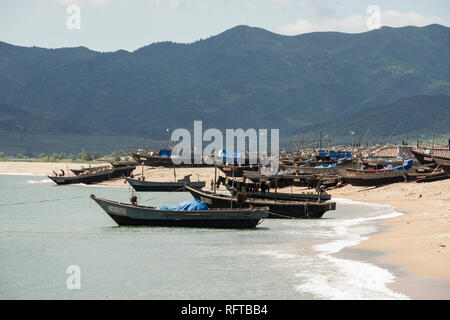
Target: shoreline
<point>414,246</point>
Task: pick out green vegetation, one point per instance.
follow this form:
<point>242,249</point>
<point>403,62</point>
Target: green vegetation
<point>83,156</point>
<point>411,118</point>
<point>62,100</point>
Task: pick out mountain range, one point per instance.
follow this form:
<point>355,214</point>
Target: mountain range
<point>63,99</point>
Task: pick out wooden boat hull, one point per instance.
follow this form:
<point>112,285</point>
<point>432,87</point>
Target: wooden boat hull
<point>279,195</point>
<point>121,172</point>
<point>236,171</point>
<point>140,185</point>
<point>85,179</point>
<point>93,169</point>
<point>422,157</point>
<point>427,174</point>
<point>313,170</point>
<point>443,163</point>
<point>288,197</point>
<point>95,177</point>
<point>128,215</point>
<point>118,164</point>
<point>157,161</point>
<point>373,178</point>
<point>277,209</point>
<point>284,180</point>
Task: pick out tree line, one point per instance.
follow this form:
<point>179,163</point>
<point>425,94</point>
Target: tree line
<point>81,156</point>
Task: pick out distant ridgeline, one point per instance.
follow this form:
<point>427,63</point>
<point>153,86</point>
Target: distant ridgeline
<point>62,100</point>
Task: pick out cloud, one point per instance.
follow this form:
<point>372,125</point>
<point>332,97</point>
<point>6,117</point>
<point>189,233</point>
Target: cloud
<point>320,8</point>
<point>398,19</point>
<point>80,2</point>
<point>358,23</point>
<point>172,3</point>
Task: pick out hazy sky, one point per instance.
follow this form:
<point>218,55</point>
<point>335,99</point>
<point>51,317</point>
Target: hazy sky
<point>108,25</point>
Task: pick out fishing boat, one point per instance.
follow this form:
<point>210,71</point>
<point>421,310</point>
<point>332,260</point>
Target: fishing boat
<point>231,170</point>
<point>443,163</point>
<point>237,186</point>
<point>94,177</point>
<point>283,179</point>
<point>278,209</point>
<point>388,175</point>
<point>163,158</point>
<point>286,179</point>
<point>118,164</point>
<point>427,173</point>
<point>142,185</point>
<point>373,178</point>
<point>427,155</point>
<point>377,164</point>
<point>131,214</point>
<point>312,170</point>
<point>422,155</point>
<point>89,169</point>
<point>113,164</point>
<point>152,159</point>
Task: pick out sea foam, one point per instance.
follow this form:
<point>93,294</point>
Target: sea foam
<point>337,278</point>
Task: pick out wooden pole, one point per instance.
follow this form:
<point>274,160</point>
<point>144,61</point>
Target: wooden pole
<point>215,176</point>
<point>232,187</point>
<point>276,187</point>
<point>320,141</point>
<point>432,148</point>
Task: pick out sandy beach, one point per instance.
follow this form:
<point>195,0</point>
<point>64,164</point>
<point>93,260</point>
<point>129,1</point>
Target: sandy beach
<point>418,242</point>
<point>415,246</point>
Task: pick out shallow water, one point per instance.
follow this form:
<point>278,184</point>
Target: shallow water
<point>280,259</point>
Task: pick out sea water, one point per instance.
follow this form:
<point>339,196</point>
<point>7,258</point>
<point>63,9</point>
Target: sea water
<point>45,229</point>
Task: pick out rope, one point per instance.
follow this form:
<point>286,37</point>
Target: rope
<point>280,215</point>
<point>161,195</point>
<point>20,203</point>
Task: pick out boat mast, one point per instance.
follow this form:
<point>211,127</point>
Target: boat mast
<point>232,186</point>
<point>432,147</point>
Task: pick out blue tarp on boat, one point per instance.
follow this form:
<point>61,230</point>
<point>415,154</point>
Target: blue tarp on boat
<point>407,164</point>
<point>165,153</point>
<point>189,205</point>
<point>327,166</point>
<point>332,154</point>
